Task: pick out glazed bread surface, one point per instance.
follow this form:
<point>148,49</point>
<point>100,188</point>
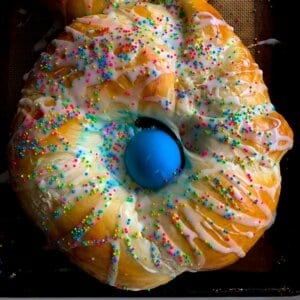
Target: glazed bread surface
<point>180,64</point>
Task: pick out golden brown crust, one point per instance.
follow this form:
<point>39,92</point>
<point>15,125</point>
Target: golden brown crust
<point>71,9</point>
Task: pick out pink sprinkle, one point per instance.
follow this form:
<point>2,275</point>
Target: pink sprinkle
<point>204,153</point>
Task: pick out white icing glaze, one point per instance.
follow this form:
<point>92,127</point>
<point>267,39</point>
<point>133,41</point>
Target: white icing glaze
<point>196,220</point>
<point>270,41</point>
<point>113,272</point>
<point>203,19</point>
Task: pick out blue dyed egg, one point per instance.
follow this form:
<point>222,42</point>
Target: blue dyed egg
<point>152,158</point>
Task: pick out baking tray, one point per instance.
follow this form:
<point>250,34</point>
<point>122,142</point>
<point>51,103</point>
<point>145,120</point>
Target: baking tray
<point>29,268</point>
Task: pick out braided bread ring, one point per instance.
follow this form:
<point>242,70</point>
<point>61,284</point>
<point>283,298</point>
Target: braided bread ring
<point>182,65</point>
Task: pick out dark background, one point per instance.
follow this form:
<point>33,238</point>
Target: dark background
<point>27,268</point>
